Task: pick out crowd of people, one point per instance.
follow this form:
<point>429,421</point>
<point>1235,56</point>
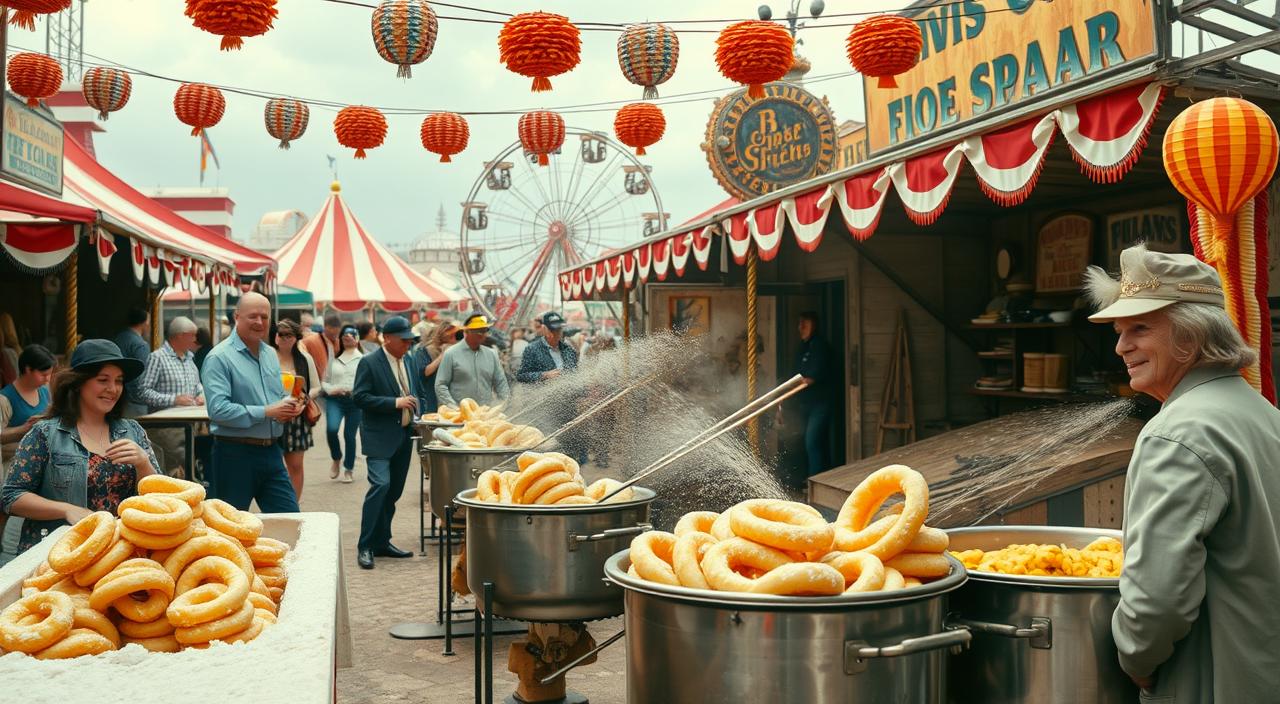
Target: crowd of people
<point>69,443</point>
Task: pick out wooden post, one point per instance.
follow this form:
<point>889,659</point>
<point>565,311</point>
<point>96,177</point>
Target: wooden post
<point>214,327</point>
<point>71,288</point>
<point>753,427</point>
<point>156,322</point>
<point>626,313</point>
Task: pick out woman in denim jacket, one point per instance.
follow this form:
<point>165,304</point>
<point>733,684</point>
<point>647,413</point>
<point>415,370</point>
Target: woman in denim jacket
<point>83,457</point>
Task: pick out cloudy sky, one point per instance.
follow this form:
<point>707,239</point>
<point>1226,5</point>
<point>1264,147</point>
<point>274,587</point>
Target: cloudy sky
<point>323,50</point>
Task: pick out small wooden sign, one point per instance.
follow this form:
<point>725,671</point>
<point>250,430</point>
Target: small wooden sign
<point>1161,229</point>
<point>1062,253</point>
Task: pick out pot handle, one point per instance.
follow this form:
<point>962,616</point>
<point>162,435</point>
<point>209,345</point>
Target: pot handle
<point>1040,634</point>
<point>576,539</point>
<point>857,652</point>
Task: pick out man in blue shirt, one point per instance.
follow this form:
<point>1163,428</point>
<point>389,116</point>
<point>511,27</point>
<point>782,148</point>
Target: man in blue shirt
<point>132,343</point>
<point>248,408</point>
<point>814,402</point>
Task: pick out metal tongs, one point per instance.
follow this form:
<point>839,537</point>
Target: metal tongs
<point>741,417</point>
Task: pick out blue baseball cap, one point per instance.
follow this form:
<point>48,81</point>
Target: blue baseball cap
<point>398,326</point>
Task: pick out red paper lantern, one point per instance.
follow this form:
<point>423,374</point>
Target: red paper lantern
<point>639,125</point>
<point>106,89</point>
<point>541,132</point>
<point>286,119</point>
<point>445,133</point>
<point>25,11</point>
<point>199,105</point>
<point>232,19</point>
<point>755,52</point>
<point>540,45</point>
<point>360,128</point>
<point>34,76</point>
<point>884,46</point>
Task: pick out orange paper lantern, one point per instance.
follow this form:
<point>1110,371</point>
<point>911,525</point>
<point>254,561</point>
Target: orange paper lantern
<point>25,11</point>
<point>541,133</point>
<point>884,46</point>
<point>445,133</point>
<point>360,128</point>
<point>199,105</point>
<point>232,19</point>
<point>539,45</point>
<point>34,76</point>
<point>106,89</point>
<point>639,125</point>
<point>754,52</point>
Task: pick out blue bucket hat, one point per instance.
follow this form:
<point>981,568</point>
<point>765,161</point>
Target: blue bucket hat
<point>95,352</point>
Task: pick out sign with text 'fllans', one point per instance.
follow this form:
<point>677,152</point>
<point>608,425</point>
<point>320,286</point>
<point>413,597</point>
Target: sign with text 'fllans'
<point>984,55</point>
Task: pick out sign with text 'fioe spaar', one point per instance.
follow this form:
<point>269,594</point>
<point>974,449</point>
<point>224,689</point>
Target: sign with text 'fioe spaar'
<point>983,55</point>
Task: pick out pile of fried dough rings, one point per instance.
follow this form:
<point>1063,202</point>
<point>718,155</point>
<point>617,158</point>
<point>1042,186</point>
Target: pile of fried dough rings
<point>546,479</point>
<point>768,546</point>
<point>175,571</point>
<point>485,426</point>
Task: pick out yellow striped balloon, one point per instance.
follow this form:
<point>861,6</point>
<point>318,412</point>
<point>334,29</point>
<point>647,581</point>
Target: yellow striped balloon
<point>1219,153</point>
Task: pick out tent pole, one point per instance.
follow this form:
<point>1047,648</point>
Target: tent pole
<point>156,311</point>
<point>72,288</point>
<point>753,428</point>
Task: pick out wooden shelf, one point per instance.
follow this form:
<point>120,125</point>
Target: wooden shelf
<point>1016,326</point>
<point>996,355</point>
<point>1012,393</point>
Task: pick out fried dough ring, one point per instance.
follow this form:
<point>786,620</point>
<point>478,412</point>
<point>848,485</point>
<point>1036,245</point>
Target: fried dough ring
<point>190,492</point>
<point>157,514</point>
<point>200,604</point>
<point>97,622</point>
<point>867,498</point>
<point>528,436</point>
<point>151,541</point>
<point>863,572</point>
<point>651,554</point>
<point>893,580</point>
<point>545,483</point>
<point>575,500</point>
<point>721,528</point>
<point>56,612</point>
<point>927,540</point>
<point>253,631</point>
<point>468,408</point>
<point>277,594</point>
<point>119,551</point>
<point>80,641</point>
<point>532,474</point>
<point>116,589</point>
<point>601,488</point>
<point>508,480</point>
<point>159,644</point>
<point>496,430</point>
<point>67,585</point>
<point>136,630</point>
<point>273,577</point>
<point>563,491</point>
<point>724,561</point>
<point>489,486</point>
<point>228,520</point>
<point>696,522</point>
<point>686,558</point>
<point>785,525</point>
<point>262,601</point>
<point>85,542</point>
<point>526,459</point>
<point>909,582</point>
<point>43,578</point>
<point>217,629</point>
<point>267,552</point>
<point>205,546</point>
<point>800,579</point>
<point>920,564</point>
<point>265,615</point>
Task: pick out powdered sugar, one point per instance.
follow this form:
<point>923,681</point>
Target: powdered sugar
<point>291,662</point>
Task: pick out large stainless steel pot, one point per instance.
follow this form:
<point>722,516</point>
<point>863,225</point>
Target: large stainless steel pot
<point>454,469</point>
<point>546,562</point>
<point>1036,640</point>
<point>707,647</point>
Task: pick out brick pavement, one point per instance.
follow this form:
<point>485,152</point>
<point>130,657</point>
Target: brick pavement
<point>391,670</point>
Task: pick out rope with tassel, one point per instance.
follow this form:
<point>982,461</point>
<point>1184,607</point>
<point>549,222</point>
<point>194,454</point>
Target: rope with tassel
<point>72,290</point>
<point>753,428</point>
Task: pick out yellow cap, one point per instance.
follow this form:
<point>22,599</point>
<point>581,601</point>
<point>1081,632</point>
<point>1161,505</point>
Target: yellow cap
<point>478,322</point>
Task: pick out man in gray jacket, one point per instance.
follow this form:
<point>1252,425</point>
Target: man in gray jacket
<point>471,370</point>
<point>1197,619</point>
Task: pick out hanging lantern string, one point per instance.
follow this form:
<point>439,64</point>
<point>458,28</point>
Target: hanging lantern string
<point>334,106</point>
<point>590,26</point>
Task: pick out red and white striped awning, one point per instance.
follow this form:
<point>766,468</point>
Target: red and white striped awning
<point>1106,134</point>
<point>160,238</point>
<point>342,265</point>
<point>38,232</point>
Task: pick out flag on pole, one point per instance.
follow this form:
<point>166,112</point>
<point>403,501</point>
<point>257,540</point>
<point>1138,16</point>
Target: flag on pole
<point>206,151</point>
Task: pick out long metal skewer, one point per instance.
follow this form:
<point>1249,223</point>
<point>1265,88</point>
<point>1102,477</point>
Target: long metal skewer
<point>574,663</point>
<point>784,391</point>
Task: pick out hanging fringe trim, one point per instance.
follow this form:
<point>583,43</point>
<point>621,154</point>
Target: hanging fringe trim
<point>232,43</point>
<point>541,84</point>
<point>17,264</point>
<point>1113,173</point>
<point>1261,218</point>
<point>1008,199</point>
<point>24,19</point>
<point>650,93</point>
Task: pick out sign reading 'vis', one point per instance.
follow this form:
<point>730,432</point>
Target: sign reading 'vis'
<point>755,147</point>
<point>982,55</point>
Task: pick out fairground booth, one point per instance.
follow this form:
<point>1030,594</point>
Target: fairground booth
<point>945,267</point>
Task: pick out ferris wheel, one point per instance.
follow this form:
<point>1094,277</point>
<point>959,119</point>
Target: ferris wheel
<point>522,224</point>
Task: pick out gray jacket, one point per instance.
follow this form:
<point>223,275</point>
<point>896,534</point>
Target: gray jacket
<point>1202,546</point>
<point>476,375</point>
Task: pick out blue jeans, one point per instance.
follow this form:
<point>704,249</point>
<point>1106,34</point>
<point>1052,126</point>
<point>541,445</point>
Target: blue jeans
<point>817,437</point>
<point>386,484</point>
<point>336,409</point>
<point>243,473</point>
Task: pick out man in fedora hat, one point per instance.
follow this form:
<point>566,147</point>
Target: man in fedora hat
<point>471,369</point>
<point>387,390</point>
<point>1196,620</point>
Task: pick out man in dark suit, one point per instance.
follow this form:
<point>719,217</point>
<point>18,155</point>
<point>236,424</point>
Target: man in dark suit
<point>388,390</point>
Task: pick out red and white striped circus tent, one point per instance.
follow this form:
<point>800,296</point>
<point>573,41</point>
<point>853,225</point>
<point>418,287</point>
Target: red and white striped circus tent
<point>344,267</point>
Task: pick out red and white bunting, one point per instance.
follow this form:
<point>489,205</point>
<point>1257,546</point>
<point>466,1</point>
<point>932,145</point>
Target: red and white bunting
<point>629,268</point>
<point>661,253</point>
<point>105,246</point>
<point>38,248</point>
<point>807,214</point>
<point>1008,161</point>
<point>861,200</point>
<point>614,273</point>
<point>576,284</point>
<point>765,224</point>
<point>588,280</point>
<point>1106,135</point>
